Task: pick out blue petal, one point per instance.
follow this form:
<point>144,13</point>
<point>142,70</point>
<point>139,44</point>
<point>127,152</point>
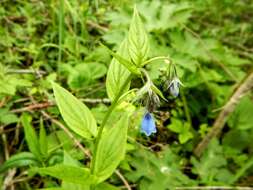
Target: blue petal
<point>148,124</point>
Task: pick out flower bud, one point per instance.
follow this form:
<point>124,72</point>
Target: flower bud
<point>174,86</point>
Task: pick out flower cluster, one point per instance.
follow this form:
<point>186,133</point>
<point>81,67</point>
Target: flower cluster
<point>148,126</point>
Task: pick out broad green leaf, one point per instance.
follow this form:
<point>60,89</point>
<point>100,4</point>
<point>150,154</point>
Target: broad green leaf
<point>30,135</point>
<point>6,117</point>
<point>77,115</point>
<point>183,129</point>
<point>242,118</point>
<point>111,149</point>
<point>68,160</point>
<point>185,133</point>
<point>129,65</point>
<point>117,74</point>
<point>73,186</point>
<point>106,186</point>
<point>67,173</point>
<point>43,140</point>
<point>176,125</point>
<point>161,15</point>
<point>19,160</point>
<point>185,136</point>
<point>138,44</point>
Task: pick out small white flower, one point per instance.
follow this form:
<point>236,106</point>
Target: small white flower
<point>165,169</point>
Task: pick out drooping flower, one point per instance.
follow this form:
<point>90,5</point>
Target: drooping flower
<point>174,86</point>
<point>148,124</point>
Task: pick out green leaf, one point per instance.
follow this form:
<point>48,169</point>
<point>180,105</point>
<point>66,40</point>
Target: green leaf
<point>30,135</point>
<point>209,167</point>
<point>176,125</point>
<point>77,115</point>
<point>138,44</point>
<point>157,91</point>
<point>84,74</point>
<point>183,129</point>
<point>130,66</point>
<point>242,118</point>
<point>111,149</point>
<point>67,173</point>
<point>161,171</point>
<point>19,160</point>
<point>53,188</point>
<point>106,186</point>
<point>184,137</point>
<point>6,117</point>
<point>185,133</point>
<point>68,160</point>
<point>43,140</point>
<point>117,74</point>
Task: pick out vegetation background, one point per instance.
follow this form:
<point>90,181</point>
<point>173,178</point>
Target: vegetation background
<point>210,41</point>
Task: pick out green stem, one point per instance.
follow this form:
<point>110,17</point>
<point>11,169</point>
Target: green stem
<point>154,59</point>
<point>111,108</point>
<point>241,171</point>
<point>186,108</point>
<point>60,30</point>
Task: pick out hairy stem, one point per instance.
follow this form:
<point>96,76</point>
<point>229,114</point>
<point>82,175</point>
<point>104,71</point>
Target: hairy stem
<point>111,108</point>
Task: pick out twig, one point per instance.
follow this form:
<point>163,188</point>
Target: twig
<point>26,71</point>
<point>38,106</point>
<point>79,145</point>
<point>59,124</point>
<point>97,26</point>
<point>33,107</point>
<point>229,107</point>
<point>96,101</point>
<point>11,173</point>
<point>123,180</point>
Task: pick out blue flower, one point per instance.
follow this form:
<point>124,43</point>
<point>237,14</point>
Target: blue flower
<point>148,124</point>
<point>174,86</point>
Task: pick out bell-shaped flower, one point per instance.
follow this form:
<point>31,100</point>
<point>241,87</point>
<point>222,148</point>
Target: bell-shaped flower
<point>174,86</point>
<point>148,124</point>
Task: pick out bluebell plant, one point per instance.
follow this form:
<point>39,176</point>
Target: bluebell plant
<point>110,144</point>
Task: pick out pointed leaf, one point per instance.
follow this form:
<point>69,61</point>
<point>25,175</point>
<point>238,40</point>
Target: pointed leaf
<point>111,149</point>
<point>157,91</point>
<point>19,160</point>
<point>30,135</point>
<point>130,66</point>
<point>67,173</point>
<point>117,74</point>
<point>77,115</point>
<point>43,140</point>
<point>138,45</point>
